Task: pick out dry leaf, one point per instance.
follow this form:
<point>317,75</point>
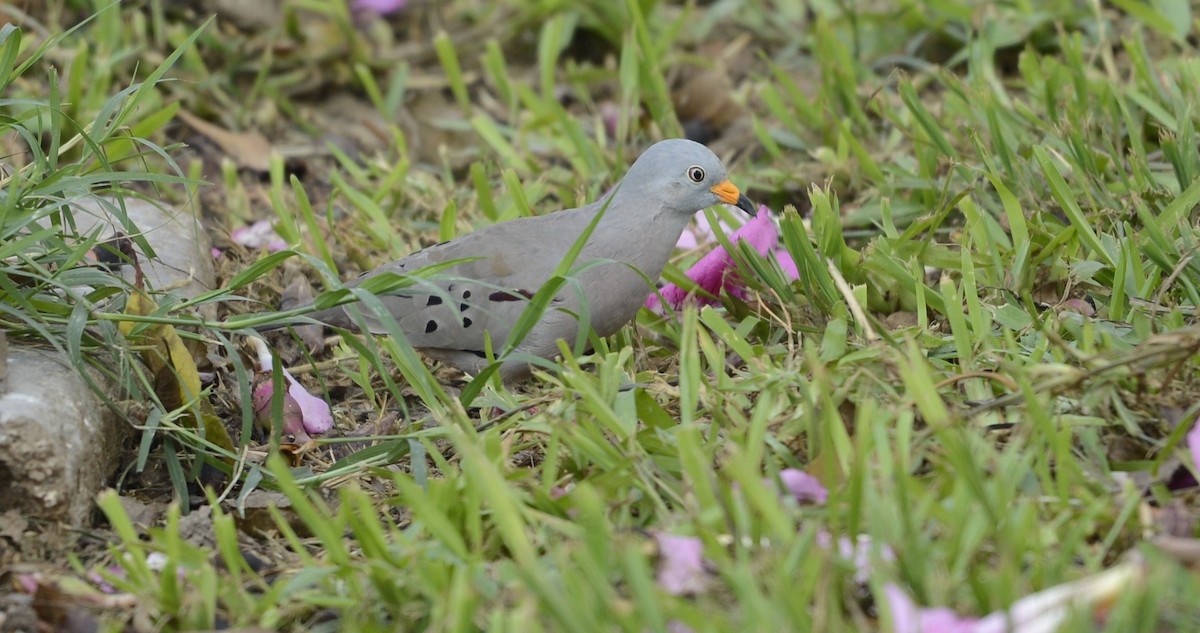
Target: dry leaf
<point>176,379</point>
<point>250,149</point>
<point>250,16</point>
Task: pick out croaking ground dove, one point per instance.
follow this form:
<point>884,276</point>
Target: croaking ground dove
<point>446,315</point>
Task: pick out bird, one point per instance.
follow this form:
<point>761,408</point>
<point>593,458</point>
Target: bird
<point>449,317</point>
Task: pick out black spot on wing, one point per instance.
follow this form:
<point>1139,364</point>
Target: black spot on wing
<point>510,295</point>
<point>466,322</point>
<point>476,352</point>
<point>434,300</point>
<point>431,327</point>
<point>466,294</point>
<point>462,307</point>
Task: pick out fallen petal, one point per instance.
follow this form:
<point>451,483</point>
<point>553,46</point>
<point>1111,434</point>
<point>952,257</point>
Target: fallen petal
<point>787,264</point>
<point>292,416</point>
<point>1041,612</point>
<point>907,617</point>
<point>857,551</point>
<point>317,415</point>
<point>803,487</point>
<point>701,234</point>
<point>712,272</point>
<point>261,234</point>
<point>381,7</point>
<point>681,564</point>
<point>1193,442</point>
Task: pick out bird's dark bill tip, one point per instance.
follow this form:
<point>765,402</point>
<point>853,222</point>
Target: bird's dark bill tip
<point>746,205</point>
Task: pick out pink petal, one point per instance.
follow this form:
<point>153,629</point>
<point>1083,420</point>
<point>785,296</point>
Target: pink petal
<point>216,252</point>
<point>907,617</point>
<point>381,7</point>
<point>317,415</point>
<point>712,271</point>
<point>857,551</point>
<point>101,583</point>
<point>785,261</point>
<point>1078,306</point>
<point>1193,442</point>
<point>27,583</point>
<point>610,116</point>
<point>261,234</point>
<point>688,240</point>
<point>293,415</point>
<point>701,234</point>
<point>681,568</point>
<point>802,486</point>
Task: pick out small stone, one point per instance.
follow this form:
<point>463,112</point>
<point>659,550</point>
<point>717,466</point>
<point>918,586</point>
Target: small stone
<point>58,443</point>
<point>183,260</point>
<point>900,320</point>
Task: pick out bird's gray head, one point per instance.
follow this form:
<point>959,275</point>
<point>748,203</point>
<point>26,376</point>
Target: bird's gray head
<point>678,175</point>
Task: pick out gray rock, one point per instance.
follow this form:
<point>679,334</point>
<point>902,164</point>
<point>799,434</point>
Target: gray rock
<point>183,263</point>
<point>58,443</point>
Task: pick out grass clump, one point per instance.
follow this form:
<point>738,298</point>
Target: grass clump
<point>987,362</point>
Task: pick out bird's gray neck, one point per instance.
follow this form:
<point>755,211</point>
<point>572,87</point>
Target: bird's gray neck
<point>635,231</point>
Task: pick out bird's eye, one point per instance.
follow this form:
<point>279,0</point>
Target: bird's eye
<point>696,173</point>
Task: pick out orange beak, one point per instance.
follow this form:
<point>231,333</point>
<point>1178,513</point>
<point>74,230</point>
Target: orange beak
<point>728,193</point>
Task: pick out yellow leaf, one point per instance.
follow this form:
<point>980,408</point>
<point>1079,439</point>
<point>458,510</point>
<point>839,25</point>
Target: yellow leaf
<point>177,381</point>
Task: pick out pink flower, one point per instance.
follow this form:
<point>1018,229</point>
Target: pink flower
<point>318,417</point>
<point>787,264</point>
<point>1041,612</point>
<point>292,416</point>
<point>907,617</point>
<point>681,564</point>
<point>261,234</point>
<point>802,486</point>
<point>701,234</point>
<point>856,551</point>
<point>714,271</point>
<point>380,7</point>
<point>303,413</point>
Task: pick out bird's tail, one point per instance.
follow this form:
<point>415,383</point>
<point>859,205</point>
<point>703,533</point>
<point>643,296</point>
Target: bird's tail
<point>331,317</point>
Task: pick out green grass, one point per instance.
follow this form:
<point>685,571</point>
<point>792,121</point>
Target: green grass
<point>1018,180</point>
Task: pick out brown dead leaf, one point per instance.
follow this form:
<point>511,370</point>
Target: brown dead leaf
<point>257,519</point>
<point>705,95</point>
<point>249,16</point>
<point>1175,519</point>
<point>356,127</point>
<point>64,603</point>
<point>197,527</point>
<point>249,149</point>
<point>176,379</point>
<point>703,92</point>
<point>900,320</point>
<point>13,526</point>
<point>441,137</point>
<point>1184,550</point>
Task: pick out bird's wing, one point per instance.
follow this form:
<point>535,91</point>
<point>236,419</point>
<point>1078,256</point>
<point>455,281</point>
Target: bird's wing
<point>507,264</point>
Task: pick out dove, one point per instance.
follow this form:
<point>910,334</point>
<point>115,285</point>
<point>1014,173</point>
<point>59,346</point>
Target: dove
<point>450,316</point>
